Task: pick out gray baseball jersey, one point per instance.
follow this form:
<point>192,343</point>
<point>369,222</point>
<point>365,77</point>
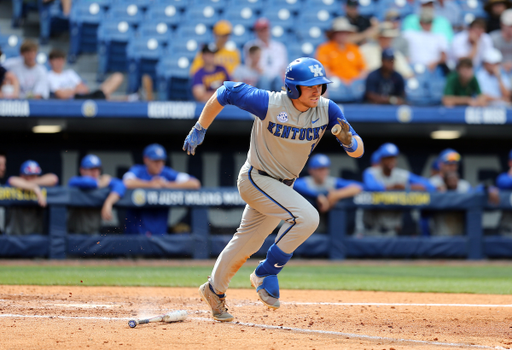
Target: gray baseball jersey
<point>282,139</point>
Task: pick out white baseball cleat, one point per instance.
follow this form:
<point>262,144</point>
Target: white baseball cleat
<point>266,298</point>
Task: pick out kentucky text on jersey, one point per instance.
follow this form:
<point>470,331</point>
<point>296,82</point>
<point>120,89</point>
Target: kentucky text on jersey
<point>285,131</point>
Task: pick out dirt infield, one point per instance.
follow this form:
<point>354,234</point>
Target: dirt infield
<point>34,317</point>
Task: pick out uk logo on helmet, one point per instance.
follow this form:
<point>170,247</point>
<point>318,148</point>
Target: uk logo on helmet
<point>316,70</point>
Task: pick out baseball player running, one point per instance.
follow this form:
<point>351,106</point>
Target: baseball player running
<point>288,127</point>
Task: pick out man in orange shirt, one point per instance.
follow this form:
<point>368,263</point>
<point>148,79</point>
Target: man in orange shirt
<point>226,56</point>
<point>340,57</point>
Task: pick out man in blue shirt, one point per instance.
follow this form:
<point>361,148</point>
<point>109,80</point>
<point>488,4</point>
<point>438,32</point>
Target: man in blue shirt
<point>88,220</point>
<point>504,182</point>
<point>154,174</point>
<point>324,189</point>
<point>385,85</point>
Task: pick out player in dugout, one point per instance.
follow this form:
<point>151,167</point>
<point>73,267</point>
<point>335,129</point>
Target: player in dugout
<point>504,182</point>
<point>287,127</point>
<point>88,219</point>
<point>29,219</point>
<point>154,174</point>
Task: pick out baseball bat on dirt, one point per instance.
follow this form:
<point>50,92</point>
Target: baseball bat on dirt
<point>173,316</point>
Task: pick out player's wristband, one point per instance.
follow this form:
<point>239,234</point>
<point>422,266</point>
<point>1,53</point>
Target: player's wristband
<point>350,148</point>
<point>199,127</point>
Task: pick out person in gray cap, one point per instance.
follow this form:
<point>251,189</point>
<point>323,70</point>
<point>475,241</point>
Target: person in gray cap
<point>492,80</point>
<point>502,39</point>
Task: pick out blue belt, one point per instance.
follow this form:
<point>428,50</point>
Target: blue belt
<point>287,182</point>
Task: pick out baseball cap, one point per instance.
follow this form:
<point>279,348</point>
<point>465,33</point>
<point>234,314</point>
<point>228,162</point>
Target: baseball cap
<point>209,48</point>
<point>388,54</point>
<point>506,17</point>
<point>492,56</point>
<point>375,157</point>
<point>341,24</point>
<point>388,150</point>
<point>30,167</point>
<point>392,15</point>
<point>387,30</point>
<point>319,161</point>
<point>222,27</point>
<point>155,152</point>
<point>261,23</point>
<point>90,161</point>
<point>353,3</point>
<point>449,156</point>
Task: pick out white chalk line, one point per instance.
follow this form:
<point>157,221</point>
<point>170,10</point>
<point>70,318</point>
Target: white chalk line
<point>299,330</point>
<point>393,304</point>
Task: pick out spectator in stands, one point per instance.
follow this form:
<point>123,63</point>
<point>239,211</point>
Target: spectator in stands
<point>251,72</point>
<point>495,9</point>
<point>274,56</point>
<point>65,84</point>
<point>493,82</point>
<point>462,87</point>
<point>399,43</point>
<point>87,219</point>
<point>324,189</point>
<point>9,85</point>
<point>385,85</point>
<point>32,76</point>
<point>449,9</point>
<point>372,51</point>
<point>153,174</point>
<point>340,57</point>
<point>440,25</point>
<point>387,177</point>
<point>502,40</point>
<point>427,47</point>
<point>27,219</point>
<point>367,29</point>
<point>472,43</point>
<point>210,77</point>
<point>504,182</point>
<point>224,56</point>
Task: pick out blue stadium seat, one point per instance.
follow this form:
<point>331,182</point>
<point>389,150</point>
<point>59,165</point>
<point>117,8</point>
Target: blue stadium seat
<point>332,6</point>
<point>313,16</point>
<point>403,7</point>
<point>241,35</point>
<point>279,33</point>
<point>180,5</point>
<point>340,92</point>
<point>113,38</point>
<point>10,45</point>
<point>51,20</point>
<point>199,32</point>
<point>241,15</point>
<point>255,5</point>
<point>157,30</point>
<point>417,92</point>
<point>292,5</point>
<point>104,4</point>
<point>311,33</point>
<point>173,78</point>
<point>300,49</point>
<point>436,89</point>
<point>207,15</point>
<point>141,4</point>
<point>280,17</point>
<point>184,48</point>
<point>168,14</point>
<point>368,8</point>
<point>218,5</point>
<point>128,12</point>
<point>84,20</point>
<point>143,54</point>
<point>358,88</point>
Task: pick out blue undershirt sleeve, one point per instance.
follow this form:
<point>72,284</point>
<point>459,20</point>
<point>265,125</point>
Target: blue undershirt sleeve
<point>83,182</point>
<point>342,183</point>
<point>370,183</point>
<point>244,96</point>
<point>302,187</point>
<point>169,174</point>
<point>416,179</point>
<point>335,113</point>
<point>504,181</point>
<point>117,186</point>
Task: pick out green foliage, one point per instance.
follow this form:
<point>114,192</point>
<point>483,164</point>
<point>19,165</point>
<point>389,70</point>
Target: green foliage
<point>485,279</point>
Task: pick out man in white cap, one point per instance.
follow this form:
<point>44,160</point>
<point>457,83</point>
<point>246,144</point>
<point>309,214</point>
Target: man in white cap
<point>339,56</point>
<point>492,80</point>
<point>502,39</point>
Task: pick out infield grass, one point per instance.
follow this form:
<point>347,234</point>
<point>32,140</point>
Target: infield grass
<point>486,279</point>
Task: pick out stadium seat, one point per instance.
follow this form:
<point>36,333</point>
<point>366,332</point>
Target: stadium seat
<point>320,18</point>
<point>280,17</point>
<point>84,20</point>
<point>311,33</point>
<point>143,54</point>
<point>255,5</point>
<point>416,92</point>
<point>51,20</point>
<point>141,4</point>
<point>436,89</point>
<point>368,8</point>
<point>292,5</point>
<point>218,5</point>
<point>207,15</point>
<point>199,32</point>
<point>241,15</point>
<point>184,48</point>
<point>332,6</point>
<point>180,5</point>
<point>104,4</point>
<point>240,35</point>
<point>173,78</point>
<point>300,49</point>
<point>113,37</point>
<point>10,45</point>
<point>163,13</point>
<point>157,30</point>
<point>403,7</point>
<point>279,33</point>
<point>340,92</point>
<point>127,12</point>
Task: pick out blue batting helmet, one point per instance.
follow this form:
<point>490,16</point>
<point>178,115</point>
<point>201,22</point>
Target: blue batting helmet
<point>304,71</point>
<point>319,161</point>
<point>90,161</point>
<point>30,167</point>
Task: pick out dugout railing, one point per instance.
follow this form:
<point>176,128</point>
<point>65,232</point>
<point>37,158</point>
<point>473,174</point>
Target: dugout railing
<point>201,244</point>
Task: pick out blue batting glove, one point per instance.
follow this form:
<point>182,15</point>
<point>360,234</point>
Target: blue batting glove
<point>194,138</point>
